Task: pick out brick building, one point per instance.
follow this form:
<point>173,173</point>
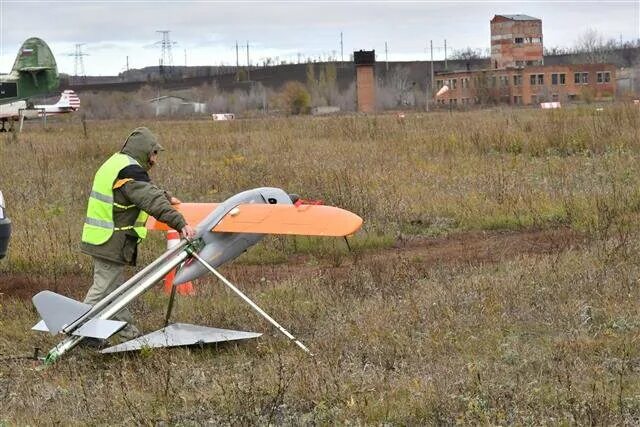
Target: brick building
<point>365,80</point>
<point>518,75</point>
<point>516,41</point>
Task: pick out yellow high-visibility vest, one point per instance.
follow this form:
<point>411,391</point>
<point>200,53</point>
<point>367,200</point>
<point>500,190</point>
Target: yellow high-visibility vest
<point>99,225</point>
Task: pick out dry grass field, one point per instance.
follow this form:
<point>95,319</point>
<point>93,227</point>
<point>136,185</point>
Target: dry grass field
<point>496,279</point>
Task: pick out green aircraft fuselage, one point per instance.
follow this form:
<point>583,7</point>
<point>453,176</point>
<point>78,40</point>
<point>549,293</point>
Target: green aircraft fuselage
<point>34,73</point>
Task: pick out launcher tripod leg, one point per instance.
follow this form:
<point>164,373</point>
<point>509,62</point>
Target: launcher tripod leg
<point>170,306</point>
<point>251,303</point>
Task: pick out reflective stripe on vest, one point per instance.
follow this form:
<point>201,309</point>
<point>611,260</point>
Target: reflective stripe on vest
<point>99,225</point>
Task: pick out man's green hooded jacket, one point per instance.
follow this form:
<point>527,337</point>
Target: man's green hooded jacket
<point>133,187</point>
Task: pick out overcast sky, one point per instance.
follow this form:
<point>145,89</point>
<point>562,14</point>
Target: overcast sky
<point>208,30</point>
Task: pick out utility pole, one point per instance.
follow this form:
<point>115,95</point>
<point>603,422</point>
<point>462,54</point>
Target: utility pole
<point>386,56</point>
<point>185,58</point>
<point>248,63</point>
<point>430,85</point>
<point>341,48</point>
<point>445,54</point>
<point>127,62</point>
<point>431,44</point>
<point>237,63</point>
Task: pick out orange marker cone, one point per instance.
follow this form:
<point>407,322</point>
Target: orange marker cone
<point>173,238</point>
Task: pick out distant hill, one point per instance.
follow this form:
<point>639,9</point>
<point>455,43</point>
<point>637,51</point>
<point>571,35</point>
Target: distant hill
<point>275,76</point>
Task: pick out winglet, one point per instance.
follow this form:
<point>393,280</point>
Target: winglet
<point>57,311</point>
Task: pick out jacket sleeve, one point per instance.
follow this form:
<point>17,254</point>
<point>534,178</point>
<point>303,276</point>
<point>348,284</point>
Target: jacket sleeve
<point>153,200</point>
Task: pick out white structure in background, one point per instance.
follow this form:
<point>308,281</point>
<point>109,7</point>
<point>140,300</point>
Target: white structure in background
<point>444,89</point>
<point>223,116</point>
<point>174,105</point>
<point>549,105</point>
<point>329,109</point>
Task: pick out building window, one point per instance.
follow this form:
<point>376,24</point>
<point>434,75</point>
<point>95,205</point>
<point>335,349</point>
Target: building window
<point>533,39</point>
<point>439,83</point>
<point>557,78</point>
<point>454,83</point>
<point>604,77</point>
<point>520,64</point>
<point>536,79</point>
<point>534,63</point>
<point>464,82</point>
<point>504,81</point>
<point>517,80</point>
<point>519,40</point>
<point>517,100</point>
<point>581,78</point>
<point>555,97</point>
<point>494,82</point>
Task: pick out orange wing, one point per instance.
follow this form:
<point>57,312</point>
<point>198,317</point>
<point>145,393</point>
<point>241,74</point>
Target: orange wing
<point>306,220</point>
<point>192,212</point>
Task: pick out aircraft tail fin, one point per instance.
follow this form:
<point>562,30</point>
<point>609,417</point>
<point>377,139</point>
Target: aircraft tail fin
<point>35,55</point>
<point>57,311</point>
<point>35,63</point>
<point>68,100</point>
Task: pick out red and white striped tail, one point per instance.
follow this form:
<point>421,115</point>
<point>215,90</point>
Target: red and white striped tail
<point>71,99</point>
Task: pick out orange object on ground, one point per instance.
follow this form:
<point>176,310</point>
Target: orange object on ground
<point>173,237</point>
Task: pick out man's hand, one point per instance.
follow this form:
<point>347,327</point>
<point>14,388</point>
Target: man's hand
<point>174,201</point>
<point>188,232</point>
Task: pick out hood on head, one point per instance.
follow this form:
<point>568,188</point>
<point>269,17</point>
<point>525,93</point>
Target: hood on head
<point>140,144</point>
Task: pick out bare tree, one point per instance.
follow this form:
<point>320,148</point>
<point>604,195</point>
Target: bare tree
<point>593,48</point>
<point>467,54</point>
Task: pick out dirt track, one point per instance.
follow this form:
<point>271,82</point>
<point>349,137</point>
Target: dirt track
<point>463,248</point>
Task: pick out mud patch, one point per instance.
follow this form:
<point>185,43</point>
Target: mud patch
<point>472,248</point>
<point>463,248</point>
<point>26,286</point>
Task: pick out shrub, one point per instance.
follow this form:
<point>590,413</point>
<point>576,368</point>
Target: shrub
<point>296,98</point>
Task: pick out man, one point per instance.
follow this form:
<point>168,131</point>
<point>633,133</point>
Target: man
<point>122,198</point>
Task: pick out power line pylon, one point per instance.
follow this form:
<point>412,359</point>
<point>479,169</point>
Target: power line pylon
<point>78,69</point>
<point>166,58</point>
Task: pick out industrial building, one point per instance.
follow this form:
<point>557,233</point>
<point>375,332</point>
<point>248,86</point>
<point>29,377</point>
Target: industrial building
<point>175,105</point>
<point>518,75</point>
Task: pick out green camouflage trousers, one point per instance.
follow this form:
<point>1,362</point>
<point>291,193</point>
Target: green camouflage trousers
<point>107,276</point>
